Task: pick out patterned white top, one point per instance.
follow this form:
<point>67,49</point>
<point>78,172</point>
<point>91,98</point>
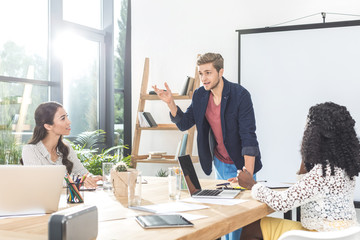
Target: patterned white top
<point>37,154</point>
<point>326,202</point>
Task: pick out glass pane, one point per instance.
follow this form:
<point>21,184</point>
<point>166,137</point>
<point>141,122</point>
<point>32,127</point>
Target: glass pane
<point>119,118</point>
<point>18,102</point>
<point>84,12</point>
<point>120,17</point>
<point>24,39</point>
<point>81,83</point>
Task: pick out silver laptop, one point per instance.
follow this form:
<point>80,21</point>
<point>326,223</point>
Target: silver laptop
<point>30,189</point>
<point>193,183</point>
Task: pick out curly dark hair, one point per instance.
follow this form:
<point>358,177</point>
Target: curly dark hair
<point>330,138</point>
<point>44,114</point>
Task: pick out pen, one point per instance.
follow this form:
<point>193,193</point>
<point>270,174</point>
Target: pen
<point>223,184</point>
<point>83,178</point>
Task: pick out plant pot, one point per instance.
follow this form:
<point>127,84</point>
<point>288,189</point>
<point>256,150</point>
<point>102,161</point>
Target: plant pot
<point>120,182</point>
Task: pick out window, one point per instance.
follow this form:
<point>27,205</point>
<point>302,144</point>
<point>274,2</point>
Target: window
<point>69,51</point>
<point>81,84</point>
<point>120,21</point>
<point>23,39</point>
<point>23,72</point>
<point>84,12</point>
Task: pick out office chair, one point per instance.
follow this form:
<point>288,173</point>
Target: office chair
<point>352,233</point>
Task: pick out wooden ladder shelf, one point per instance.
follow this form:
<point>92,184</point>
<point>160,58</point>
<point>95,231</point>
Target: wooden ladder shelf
<point>144,96</point>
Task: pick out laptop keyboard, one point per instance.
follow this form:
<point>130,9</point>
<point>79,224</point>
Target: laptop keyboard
<point>209,192</point>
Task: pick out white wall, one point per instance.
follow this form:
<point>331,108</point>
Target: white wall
<point>172,33</point>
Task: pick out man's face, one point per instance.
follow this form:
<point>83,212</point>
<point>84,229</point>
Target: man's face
<point>209,77</point>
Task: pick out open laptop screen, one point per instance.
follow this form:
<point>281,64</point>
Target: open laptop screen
<point>190,176</point>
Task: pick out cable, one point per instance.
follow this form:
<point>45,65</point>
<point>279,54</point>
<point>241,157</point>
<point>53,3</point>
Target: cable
<point>295,19</point>
<point>323,15</point>
<point>345,14</point>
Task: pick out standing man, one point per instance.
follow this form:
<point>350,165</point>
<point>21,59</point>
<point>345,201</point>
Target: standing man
<point>225,121</point>
<point>224,118</point>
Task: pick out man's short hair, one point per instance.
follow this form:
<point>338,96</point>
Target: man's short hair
<point>215,58</point>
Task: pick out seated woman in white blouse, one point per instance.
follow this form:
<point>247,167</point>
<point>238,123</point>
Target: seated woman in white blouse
<point>47,146</point>
<point>331,159</point>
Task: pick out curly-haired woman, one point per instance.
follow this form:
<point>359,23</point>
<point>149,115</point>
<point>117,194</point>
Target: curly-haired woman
<point>330,161</point>
<point>47,146</point>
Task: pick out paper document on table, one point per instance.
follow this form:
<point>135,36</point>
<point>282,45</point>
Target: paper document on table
<point>170,207</point>
<point>215,201</point>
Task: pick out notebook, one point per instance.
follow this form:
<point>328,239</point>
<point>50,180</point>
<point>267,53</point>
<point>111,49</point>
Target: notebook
<point>30,189</point>
<point>193,183</point>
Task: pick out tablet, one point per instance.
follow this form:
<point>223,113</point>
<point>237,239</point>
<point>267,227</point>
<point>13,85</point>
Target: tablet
<point>163,221</point>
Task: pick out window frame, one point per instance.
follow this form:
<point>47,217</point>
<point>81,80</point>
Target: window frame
<point>105,39</point>
<point>106,89</point>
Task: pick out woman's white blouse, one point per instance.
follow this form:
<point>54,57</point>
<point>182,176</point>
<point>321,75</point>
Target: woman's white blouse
<point>326,202</point>
<point>37,154</point>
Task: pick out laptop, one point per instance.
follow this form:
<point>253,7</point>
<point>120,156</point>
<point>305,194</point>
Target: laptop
<point>193,183</point>
<point>30,189</point>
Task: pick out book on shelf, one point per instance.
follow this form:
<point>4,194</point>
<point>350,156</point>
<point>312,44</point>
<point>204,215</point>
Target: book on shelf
<point>156,159</point>
<point>183,145</point>
<point>157,152</point>
<point>190,85</point>
<point>185,86</point>
<point>142,120</point>
<point>156,155</point>
<point>178,150</point>
<point>146,120</point>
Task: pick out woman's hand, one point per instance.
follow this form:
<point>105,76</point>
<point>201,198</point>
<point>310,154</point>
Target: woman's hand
<point>91,182</point>
<point>245,179</point>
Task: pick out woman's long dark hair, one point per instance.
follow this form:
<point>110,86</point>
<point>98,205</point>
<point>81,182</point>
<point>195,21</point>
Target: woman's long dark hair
<point>44,114</point>
<point>330,138</point>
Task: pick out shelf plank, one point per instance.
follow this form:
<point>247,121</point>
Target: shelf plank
<point>168,159</point>
<point>157,161</point>
<point>155,97</point>
<point>159,127</point>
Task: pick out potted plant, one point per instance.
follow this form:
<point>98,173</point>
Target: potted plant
<point>119,179</point>
<point>88,144</point>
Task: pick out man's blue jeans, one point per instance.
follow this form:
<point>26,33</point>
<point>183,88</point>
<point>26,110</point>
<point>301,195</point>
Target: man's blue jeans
<point>225,171</point>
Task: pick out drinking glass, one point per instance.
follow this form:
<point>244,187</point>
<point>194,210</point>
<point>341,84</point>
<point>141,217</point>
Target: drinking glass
<point>106,168</point>
<point>174,178</point>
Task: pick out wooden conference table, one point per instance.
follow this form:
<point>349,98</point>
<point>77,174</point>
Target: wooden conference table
<point>116,220</point>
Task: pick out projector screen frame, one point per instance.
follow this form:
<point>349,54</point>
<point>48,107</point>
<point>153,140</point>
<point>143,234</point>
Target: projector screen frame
<point>289,28</point>
<point>292,28</point>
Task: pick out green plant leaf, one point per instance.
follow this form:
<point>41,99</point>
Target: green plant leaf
<point>92,159</point>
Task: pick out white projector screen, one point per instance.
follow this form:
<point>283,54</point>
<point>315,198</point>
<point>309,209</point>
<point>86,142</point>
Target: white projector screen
<point>287,72</point>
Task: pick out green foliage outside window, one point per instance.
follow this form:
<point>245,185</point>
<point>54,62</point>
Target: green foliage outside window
<point>10,151</point>
<point>119,65</point>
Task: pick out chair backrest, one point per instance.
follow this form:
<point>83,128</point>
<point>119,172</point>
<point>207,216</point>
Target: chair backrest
<point>352,233</point>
